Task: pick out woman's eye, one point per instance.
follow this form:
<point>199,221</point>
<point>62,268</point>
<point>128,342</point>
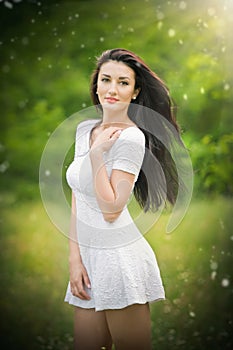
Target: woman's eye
<point>124,83</point>
<point>104,79</point>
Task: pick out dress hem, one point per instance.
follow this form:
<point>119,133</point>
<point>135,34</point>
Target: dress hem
<point>123,306</point>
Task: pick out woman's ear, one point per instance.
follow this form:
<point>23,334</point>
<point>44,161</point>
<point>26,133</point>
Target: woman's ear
<point>135,94</point>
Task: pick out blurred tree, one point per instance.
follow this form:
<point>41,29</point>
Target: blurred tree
<point>48,51</point>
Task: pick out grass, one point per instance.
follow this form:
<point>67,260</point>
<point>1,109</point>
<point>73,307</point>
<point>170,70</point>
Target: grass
<point>195,263</point>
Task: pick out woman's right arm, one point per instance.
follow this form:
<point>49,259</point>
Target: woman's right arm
<point>78,274</point>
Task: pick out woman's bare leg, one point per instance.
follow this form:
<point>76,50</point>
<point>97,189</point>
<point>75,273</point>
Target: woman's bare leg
<point>91,330</point>
<point>130,327</point>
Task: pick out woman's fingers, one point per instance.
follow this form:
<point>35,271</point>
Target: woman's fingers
<point>80,292</point>
<point>105,140</point>
<point>113,131</point>
<point>79,283</point>
<point>86,280</point>
<point>115,134</point>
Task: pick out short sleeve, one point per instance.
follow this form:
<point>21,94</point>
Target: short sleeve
<point>128,151</point>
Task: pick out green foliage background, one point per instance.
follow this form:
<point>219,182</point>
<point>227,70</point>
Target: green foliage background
<point>47,54</point>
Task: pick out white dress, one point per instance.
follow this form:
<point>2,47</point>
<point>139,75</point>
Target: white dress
<point>119,261</point>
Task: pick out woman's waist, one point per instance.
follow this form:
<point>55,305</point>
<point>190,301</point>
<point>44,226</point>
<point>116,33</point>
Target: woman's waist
<point>106,235</point>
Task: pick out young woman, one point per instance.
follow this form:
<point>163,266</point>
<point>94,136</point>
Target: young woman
<point>113,271</point>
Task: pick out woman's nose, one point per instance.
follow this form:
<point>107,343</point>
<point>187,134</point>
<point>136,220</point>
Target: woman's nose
<point>112,89</point>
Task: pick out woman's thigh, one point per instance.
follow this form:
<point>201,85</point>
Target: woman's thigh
<point>130,327</point>
<point>91,330</point>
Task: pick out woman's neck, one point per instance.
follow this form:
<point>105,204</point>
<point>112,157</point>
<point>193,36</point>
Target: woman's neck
<point>115,119</point>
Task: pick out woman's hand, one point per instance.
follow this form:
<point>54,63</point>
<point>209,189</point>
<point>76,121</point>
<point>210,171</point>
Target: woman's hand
<point>79,279</point>
<point>105,139</point>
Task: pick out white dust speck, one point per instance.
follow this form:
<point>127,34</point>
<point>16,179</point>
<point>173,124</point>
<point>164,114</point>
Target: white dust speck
<point>5,68</point>
<point>227,86</point>
<point>180,41</point>
<point>231,238</point>
<point>84,105</point>
<point>39,58</point>
<point>182,5</point>
<point>167,309</point>
<point>171,32</point>
<point>160,15</point>
<point>25,41</point>
<point>225,282</point>
<point>159,25</point>
<point>8,4</point>
<point>73,32</point>
<point>221,224</point>
<point>213,275</point>
<point>22,104</point>
<point>47,172</point>
<point>130,29</point>
<point>4,166</point>
<point>32,20</point>
<point>33,217</point>
<point>185,97</point>
<point>211,11</point>
<point>82,46</point>
<point>196,334</point>
<point>76,15</point>
<point>192,314</point>
<point>105,15</point>
<point>202,90</point>
<point>213,265</point>
<point>101,39</point>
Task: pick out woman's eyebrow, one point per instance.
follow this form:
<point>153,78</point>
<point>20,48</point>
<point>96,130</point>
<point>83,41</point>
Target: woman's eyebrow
<point>120,78</point>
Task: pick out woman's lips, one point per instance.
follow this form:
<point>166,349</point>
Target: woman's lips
<point>111,99</point>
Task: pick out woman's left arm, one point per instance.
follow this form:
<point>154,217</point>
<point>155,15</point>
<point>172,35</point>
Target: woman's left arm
<point>111,194</point>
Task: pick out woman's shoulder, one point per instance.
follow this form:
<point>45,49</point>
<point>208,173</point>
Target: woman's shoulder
<point>134,134</point>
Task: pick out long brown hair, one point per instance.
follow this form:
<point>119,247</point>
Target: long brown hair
<point>153,112</point>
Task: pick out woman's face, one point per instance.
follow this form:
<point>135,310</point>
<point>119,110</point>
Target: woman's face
<point>116,84</point>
